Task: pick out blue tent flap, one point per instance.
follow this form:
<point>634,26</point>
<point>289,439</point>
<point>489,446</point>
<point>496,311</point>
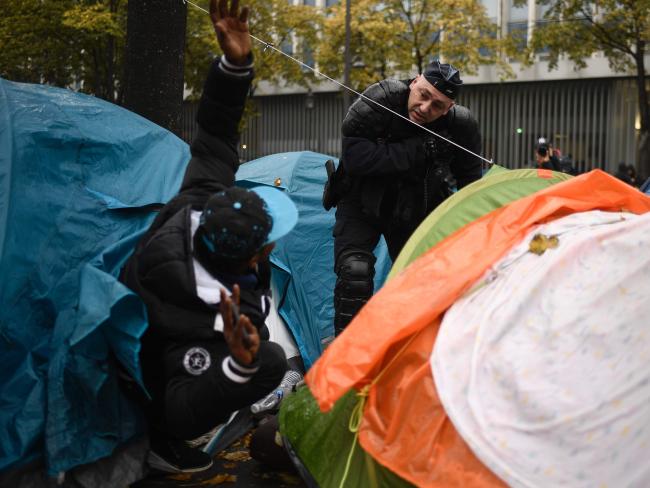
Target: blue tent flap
<point>78,177</point>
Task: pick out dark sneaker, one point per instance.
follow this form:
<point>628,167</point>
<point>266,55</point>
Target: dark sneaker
<point>172,456</point>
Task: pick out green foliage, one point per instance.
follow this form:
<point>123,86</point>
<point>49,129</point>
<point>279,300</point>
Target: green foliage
<point>389,38</point>
<point>34,41</point>
<point>457,30</point>
<point>61,42</point>
<point>579,28</point>
<point>373,45</point>
<point>94,20</point>
<point>280,23</point>
<point>68,42</point>
<point>274,21</point>
<point>100,28</point>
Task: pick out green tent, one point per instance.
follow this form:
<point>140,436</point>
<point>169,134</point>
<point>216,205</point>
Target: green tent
<point>323,442</point>
<point>497,188</point>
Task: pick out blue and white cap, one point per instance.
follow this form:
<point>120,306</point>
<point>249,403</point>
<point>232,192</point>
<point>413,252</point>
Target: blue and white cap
<point>237,222</point>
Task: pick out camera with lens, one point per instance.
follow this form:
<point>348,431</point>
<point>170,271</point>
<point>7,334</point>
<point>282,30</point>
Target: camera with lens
<point>437,149</point>
<point>542,150</point>
<point>439,154</point>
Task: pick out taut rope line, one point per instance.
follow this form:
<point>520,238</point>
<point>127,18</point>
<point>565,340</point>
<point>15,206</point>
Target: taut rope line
<point>268,45</point>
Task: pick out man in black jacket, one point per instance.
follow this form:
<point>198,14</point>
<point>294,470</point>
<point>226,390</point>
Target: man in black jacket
<point>393,174</point>
<point>203,273</point>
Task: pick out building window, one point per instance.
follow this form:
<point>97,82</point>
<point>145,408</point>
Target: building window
<point>519,32</point>
<point>491,8</point>
<point>517,14</point>
<point>311,3</point>
<point>484,51</point>
<point>543,52</point>
<point>286,47</point>
<point>308,56</point>
<point>331,3</point>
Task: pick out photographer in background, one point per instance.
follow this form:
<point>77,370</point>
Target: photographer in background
<point>545,156</point>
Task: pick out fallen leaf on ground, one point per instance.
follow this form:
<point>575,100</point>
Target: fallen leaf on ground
<point>247,439</point>
<point>237,456</point>
<point>289,479</point>
<point>220,478</point>
<point>180,476</point>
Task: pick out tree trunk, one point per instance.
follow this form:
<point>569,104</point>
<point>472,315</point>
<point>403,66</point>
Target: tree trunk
<point>643,158</point>
<point>153,73</point>
<point>109,77</point>
<point>109,82</point>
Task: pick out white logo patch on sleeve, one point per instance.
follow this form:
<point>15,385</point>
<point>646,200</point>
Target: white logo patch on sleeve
<point>196,361</point>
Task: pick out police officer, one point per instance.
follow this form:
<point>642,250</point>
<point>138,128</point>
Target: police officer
<point>392,173</point>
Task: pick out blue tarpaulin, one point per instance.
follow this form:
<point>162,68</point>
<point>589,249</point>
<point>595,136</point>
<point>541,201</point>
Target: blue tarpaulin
<point>304,259</point>
<point>78,177</point>
<point>79,182</point>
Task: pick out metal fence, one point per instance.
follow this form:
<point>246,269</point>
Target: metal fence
<point>593,121</point>
<point>590,120</point>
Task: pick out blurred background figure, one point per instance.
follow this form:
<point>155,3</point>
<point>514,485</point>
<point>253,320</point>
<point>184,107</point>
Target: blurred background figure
<point>627,173</point>
<point>545,155</point>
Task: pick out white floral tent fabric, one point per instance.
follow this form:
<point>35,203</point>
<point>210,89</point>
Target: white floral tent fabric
<point>544,365</point>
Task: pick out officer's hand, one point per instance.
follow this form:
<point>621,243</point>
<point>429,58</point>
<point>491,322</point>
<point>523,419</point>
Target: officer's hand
<point>240,334</point>
<point>231,27</point>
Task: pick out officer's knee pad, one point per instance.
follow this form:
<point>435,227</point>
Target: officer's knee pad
<point>355,275</point>
<point>354,286</point>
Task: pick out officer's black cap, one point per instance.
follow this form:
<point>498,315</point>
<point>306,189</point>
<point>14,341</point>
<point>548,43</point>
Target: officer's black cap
<point>444,77</point>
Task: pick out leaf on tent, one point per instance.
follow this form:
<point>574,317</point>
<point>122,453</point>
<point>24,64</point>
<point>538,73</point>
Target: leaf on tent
<point>540,243</point>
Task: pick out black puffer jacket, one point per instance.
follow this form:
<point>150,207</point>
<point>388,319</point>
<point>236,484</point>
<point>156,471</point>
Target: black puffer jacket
<point>385,158</point>
<point>161,268</point>
<point>162,272</point>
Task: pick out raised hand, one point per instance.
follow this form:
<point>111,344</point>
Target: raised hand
<point>231,27</point>
<point>240,334</point>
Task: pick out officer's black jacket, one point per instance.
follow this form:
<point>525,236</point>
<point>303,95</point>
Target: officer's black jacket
<point>161,268</point>
<point>384,154</point>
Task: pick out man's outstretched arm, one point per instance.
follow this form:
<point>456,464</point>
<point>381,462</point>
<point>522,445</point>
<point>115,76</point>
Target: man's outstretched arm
<point>214,151</point>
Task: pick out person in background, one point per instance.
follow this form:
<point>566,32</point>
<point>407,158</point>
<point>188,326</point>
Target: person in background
<point>545,157</point>
<point>622,173</point>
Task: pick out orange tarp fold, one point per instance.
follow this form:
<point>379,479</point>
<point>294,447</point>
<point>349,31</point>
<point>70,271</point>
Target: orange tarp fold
<point>404,426</point>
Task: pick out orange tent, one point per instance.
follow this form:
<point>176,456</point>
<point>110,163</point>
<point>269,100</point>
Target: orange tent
<point>404,426</point>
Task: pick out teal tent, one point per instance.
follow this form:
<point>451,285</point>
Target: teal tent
<point>79,180</point>
<point>303,261</point>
